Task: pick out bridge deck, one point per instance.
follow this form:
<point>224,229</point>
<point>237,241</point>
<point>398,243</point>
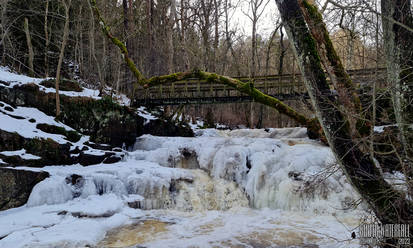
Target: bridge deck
<point>283,87</point>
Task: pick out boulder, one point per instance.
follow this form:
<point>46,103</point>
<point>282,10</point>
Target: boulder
<point>16,186</point>
<point>163,127</point>
<point>50,151</point>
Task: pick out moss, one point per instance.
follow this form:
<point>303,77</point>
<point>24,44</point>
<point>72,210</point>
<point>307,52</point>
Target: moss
<point>119,44</point>
<point>72,136</point>
<point>64,85</point>
<point>332,56</point>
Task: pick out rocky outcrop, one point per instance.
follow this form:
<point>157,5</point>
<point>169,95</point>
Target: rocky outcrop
<point>49,150</point>
<point>16,186</point>
<point>104,120</point>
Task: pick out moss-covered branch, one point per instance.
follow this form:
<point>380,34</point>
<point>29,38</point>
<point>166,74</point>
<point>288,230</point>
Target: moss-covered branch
<point>125,55</point>
<point>246,88</point>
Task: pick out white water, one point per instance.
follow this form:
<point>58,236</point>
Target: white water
<point>243,188</point>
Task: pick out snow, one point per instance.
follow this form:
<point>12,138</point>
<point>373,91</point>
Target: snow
<point>48,226</point>
<point>22,153</point>
<point>380,129</point>
<point>146,115</point>
<point>15,79</point>
<point>26,128</point>
<point>23,126</point>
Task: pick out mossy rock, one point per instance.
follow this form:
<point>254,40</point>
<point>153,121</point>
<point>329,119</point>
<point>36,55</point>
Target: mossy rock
<point>64,85</point>
<point>71,135</point>
<point>162,127</point>
<point>50,151</point>
<point>103,120</point>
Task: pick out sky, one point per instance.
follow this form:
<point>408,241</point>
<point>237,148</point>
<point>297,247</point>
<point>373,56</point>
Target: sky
<point>266,23</point>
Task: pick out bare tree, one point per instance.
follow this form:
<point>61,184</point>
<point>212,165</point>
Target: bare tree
<point>257,8</point>
<point>66,4</point>
<point>47,40</point>
<point>29,46</point>
<point>398,42</point>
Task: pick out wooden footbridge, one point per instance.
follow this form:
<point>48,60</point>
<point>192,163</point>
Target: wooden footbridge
<point>283,87</point>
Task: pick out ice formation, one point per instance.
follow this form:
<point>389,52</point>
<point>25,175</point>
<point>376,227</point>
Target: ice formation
<point>250,179</point>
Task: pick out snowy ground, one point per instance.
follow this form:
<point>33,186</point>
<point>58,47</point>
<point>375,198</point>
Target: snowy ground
<point>15,79</point>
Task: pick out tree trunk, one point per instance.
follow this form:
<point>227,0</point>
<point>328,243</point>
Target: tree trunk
<point>66,4</point>
<point>350,102</point>
<point>93,50</point>
<point>47,40</point>
<point>170,49</point>
<point>398,44</point>
<point>282,53</point>
<point>29,46</point>
<point>216,35</point>
<point>389,205</point>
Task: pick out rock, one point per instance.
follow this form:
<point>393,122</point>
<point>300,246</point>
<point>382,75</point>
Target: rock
<point>104,120</point>
<point>8,108</point>
<point>64,85</point>
<point>188,159</point>
<point>112,159</point>
<point>4,83</point>
<point>117,149</point>
<point>77,183</point>
<point>74,179</point>
<point>161,127</point>
<point>16,186</point>
<point>297,176</point>
<point>32,120</point>
<point>102,147</point>
<point>71,135</point>
<point>86,159</point>
<point>51,152</point>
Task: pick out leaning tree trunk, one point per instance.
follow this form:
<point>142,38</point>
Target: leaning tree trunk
<point>389,205</point>
<point>350,104</point>
<point>398,43</point>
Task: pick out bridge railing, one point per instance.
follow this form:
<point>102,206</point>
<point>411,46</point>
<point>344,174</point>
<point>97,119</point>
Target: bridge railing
<point>282,86</point>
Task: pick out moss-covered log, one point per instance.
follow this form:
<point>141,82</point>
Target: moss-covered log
<point>389,204</point>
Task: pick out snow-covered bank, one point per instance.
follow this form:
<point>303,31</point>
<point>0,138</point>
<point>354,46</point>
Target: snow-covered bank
<point>198,192</point>
<point>12,79</point>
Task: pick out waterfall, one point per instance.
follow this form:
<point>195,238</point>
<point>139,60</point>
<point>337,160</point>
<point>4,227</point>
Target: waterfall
<point>214,173</point>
